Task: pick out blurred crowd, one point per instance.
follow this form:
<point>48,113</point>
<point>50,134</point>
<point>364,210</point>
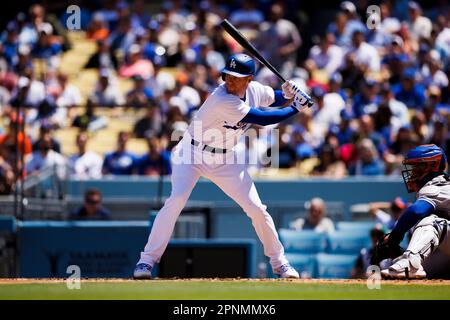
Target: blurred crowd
<point>380,86</point>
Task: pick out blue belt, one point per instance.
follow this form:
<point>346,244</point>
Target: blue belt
<point>208,148</point>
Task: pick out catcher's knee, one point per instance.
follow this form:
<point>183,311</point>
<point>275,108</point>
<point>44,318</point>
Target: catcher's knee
<point>426,237</point>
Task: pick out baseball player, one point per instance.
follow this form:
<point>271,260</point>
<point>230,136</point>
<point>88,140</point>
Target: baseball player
<point>425,174</point>
<point>225,115</point>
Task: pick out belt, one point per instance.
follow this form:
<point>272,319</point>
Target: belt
<point>208,148</point>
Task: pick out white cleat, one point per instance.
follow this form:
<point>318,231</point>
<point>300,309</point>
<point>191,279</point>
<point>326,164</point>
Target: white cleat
<point>142,271</point>
<point>403,269</point>
<point>286,271</point>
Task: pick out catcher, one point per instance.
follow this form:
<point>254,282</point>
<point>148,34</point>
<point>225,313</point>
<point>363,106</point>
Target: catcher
<point>429,216</point>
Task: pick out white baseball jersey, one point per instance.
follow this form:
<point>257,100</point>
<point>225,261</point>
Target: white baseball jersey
<point>437,193</point>
<point>218,121</point>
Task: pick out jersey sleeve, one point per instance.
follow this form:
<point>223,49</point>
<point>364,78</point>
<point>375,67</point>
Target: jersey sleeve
<point>265,93</point>
<point>232,109</point>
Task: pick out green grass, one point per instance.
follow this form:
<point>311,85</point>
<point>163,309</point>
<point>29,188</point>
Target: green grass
<point>222,290</point>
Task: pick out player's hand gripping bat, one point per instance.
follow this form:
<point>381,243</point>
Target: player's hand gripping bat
<point>228,27</point>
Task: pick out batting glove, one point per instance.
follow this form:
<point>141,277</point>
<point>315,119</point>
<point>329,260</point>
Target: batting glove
<point>289,88</point>
<point>302,101</point>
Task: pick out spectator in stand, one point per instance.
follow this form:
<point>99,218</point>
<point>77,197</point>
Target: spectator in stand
<point>303,150</point>
<point>335,85</point>
<point>7,177</point>
<point>46,158</point>
<point>148,125</point>
<point>46,130</point>
<point>366,56</point>
<point>123,37</point>
<point>353,21</point>
<point>89,120</point>
<point>97,29</point>
<point>45,49</point>
<point>103,58</point>
<point>92,208</point>
<point>316,219</point>
<point>395,59</point>
<point>408,91</point>
<point>139,96</point>
<point>120,162</point>
<point>330,166</point>
<point>85,165</point>
<point>368,163</point>
<point>107,92</point>
<point>419,25</point>
<point>366,101</point>
<point>325,56</point>
<point>343,131</point>
<point>284,42</point>
<point>399,111</point>
<point>367,131</point>
<point>432,73</point>
<point>136,64</point>
<point>161,80</point>
<point>8,140</point>
<point>247,17</point>
<point>156,162</point>
<point>388,213</point>
<point>29,94</point>
<point>328,108</point>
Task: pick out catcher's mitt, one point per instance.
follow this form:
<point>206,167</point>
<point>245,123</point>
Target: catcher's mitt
<point>385,250</point>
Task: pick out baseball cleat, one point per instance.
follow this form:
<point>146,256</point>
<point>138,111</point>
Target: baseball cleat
<point>142,271</point>
<point>286,271</point>
<point>402,269</point>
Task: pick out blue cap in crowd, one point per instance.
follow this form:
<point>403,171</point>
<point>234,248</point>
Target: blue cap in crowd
<point>336,77</point>
<point>317,92</point>
<point>409,73</point>
<point>346,115</point>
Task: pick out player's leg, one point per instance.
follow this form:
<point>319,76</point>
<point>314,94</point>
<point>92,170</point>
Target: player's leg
<point>184,177</point>
<point>428,234</point>
<point>235,181</point>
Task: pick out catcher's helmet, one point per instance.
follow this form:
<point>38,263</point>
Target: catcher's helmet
<point>422,164</point>
<point>239,65</point>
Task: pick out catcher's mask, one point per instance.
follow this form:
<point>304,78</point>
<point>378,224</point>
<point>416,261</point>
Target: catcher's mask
<point>422,164</point>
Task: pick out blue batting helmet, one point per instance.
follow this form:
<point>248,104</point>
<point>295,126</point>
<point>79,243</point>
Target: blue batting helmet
<point>422,164</point>
<point>240,65</point>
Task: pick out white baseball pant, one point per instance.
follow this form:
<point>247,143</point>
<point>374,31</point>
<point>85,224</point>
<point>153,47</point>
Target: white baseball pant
<point>233,179</point>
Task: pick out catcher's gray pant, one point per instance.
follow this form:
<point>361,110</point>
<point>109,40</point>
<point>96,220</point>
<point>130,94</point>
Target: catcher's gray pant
<point>428,234</point>
<point>233,179</point>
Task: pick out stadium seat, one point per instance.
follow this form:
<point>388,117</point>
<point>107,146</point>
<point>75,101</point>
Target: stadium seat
<point>335,266</point>
<point>303,263</point>
<point>347,242</point>
<point>356,226</point>
<point>304,241</point>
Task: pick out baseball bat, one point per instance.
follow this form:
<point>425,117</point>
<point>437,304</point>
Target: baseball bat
<point>239,37</point>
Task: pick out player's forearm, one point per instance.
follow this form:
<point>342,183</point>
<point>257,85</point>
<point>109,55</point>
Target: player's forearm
<point>419,210</point>
<point>264,118</point>
<point>279,99</point>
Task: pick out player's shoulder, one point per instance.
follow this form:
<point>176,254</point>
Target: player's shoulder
<point>220,95</point>
<point>258,88</point>
<point>434,187</point>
